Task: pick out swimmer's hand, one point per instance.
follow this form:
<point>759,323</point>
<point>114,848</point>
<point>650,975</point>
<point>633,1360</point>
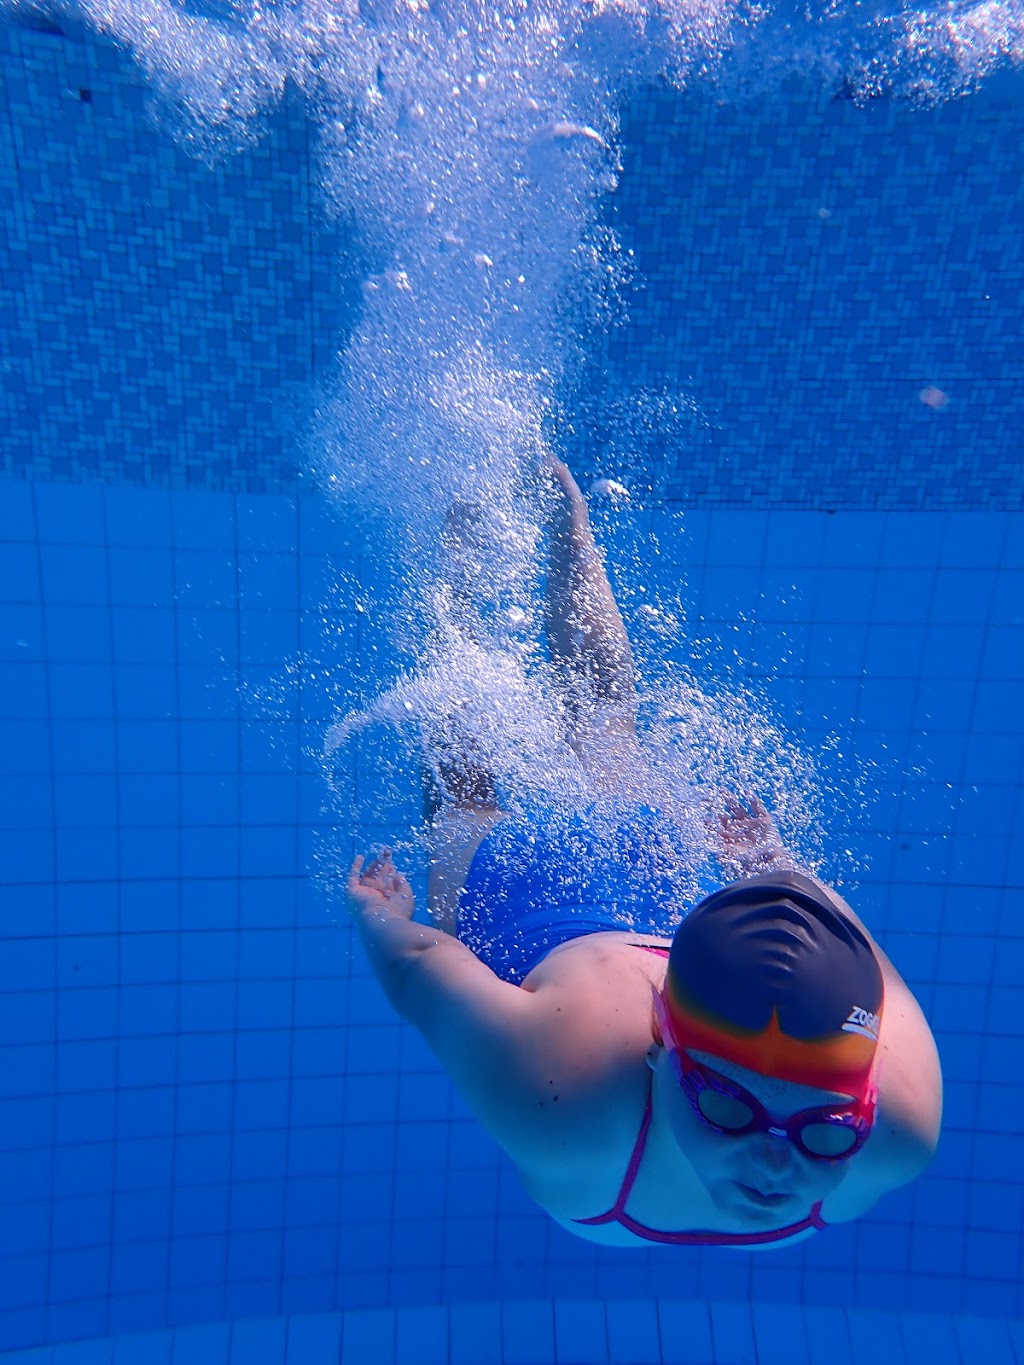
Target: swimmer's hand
<point>749,840</point>
<point>379,888</point>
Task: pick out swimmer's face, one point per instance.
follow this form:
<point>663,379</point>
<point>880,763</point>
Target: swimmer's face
<point>762,1178</point>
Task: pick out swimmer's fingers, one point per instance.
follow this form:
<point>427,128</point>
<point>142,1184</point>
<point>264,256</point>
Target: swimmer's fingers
<point>380,884</point>
<point>736,837</point>
<point>361,896</point>
<point>400,885</point>
<point>735,819</point>
<point>751,814</point>
<point>746,827</point>
<point>380,868</point>
<point>367,883</point>
<point>396,892</point>
<point>355,871</point>
<point>749,837</point>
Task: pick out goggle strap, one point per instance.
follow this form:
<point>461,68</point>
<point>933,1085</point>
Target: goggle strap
<point>668,1038</point>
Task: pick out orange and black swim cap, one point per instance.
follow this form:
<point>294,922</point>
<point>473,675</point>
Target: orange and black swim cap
<point>770,974</point>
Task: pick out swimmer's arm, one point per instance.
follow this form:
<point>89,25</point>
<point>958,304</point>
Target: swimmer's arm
<point>910,1077</point>
<point>909,1117</point>
<point>381,904</point>
<point>477,1026</point>
<point>392,942</point>
<point>431,978</point>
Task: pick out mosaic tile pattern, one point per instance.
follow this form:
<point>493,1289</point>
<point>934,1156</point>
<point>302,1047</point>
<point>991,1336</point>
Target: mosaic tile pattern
<point>159,318</point>
<point>838,290</point>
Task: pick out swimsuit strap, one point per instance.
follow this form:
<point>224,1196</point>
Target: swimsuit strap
<point>617,1213</point>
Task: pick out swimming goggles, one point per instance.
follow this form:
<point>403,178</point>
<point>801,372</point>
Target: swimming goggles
<point>824,1133</point>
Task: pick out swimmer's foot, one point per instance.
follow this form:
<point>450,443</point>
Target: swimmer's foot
<point>451,780</point>
<point>455,772</point>
<point>569,514</point>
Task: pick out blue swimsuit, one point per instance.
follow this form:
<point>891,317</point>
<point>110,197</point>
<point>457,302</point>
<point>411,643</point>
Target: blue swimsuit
<point>541,878</point>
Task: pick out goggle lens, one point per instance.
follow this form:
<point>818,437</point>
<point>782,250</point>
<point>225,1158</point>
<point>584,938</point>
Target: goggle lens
<point>731,1114</point>
<point>828,1139</point>
<point>725,1111</point>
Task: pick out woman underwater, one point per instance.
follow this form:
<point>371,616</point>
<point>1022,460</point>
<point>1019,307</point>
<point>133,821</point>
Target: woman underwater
<point>763,1073</point>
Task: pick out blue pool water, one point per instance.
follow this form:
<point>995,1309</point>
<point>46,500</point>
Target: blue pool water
<point>217,1142</point>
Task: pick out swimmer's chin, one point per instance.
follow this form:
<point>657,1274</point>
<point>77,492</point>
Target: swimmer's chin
<point>730,1197</point>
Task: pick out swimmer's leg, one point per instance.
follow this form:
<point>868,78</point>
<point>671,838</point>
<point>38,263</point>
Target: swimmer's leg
<point>453,778</point>
<point>587,640</point>
<point>454,837</point>
<point>460,803</point>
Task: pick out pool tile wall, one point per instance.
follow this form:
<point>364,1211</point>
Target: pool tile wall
<point>824,314</point>
<point>161,317</point>
<point>562,1332</point>
<point>209,1109</point>
<point>834,287</point>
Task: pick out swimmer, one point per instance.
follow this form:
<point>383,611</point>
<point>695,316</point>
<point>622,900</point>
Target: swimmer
<point>760,1075</point>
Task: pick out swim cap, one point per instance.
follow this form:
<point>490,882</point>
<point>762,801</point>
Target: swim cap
<point>770,974</point>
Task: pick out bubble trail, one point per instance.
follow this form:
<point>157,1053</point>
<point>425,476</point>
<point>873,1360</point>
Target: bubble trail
<point>470,146</point>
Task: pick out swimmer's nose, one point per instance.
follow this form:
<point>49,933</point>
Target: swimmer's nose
<point>773,1155</point>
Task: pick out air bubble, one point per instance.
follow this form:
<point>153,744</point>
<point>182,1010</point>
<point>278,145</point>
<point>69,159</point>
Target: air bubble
<point>467,145</point>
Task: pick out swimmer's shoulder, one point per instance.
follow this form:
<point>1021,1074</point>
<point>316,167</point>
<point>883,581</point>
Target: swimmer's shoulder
<point>591,1026</point>
<point>909,1115</point>
<point>909,1078</point>
<point>908,1118</point>
<point>548,1067</point>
